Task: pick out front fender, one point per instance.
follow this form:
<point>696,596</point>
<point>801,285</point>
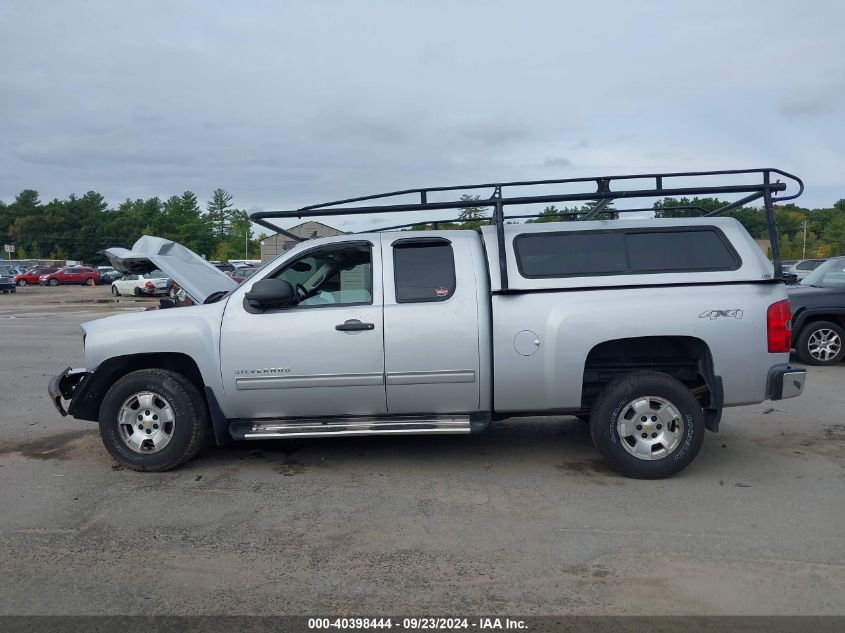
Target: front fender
<point>112,343</point>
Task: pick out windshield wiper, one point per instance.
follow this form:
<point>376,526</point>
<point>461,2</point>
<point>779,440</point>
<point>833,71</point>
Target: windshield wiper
<point>216,296</point>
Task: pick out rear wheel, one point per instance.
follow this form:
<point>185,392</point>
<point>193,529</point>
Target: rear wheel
<point>647,425</point>
<point>153,420</point>
<point>137,292</point>
<point>115,291</point>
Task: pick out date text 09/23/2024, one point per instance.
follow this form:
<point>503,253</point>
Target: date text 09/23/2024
<point>418,623</point>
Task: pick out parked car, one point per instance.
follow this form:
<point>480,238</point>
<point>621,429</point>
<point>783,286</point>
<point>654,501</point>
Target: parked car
<point>149,284</point>
<point>7,280</point>
<point>242,274</point>
<point>82,275</point>
<point>108,274</point>
<point>818,304</point>
<point>226,267</point>
<point>804,267</point>
<point>33,275</point>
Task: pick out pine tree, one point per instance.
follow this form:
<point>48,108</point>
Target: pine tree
<point>472,217</point>
<point>219,212</point>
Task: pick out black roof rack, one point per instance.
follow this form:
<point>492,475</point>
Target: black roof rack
<point>756,184</point>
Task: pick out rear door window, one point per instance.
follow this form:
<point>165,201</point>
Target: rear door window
<point>424,270</point>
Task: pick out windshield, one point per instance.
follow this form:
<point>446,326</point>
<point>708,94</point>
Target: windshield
<point>830,274</point>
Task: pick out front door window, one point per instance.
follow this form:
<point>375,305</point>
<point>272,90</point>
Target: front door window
<point>338,274</point>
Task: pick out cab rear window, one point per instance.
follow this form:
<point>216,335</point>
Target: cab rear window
<point>424,270</point>
<point>624,252</point>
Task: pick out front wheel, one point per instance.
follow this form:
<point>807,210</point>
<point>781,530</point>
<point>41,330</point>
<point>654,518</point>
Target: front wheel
<point>22,283</point>
<point>647,425</point>
<point>115,291</point>
<point>153,420</point>
<point>821,343</point>
<point>54,282</point>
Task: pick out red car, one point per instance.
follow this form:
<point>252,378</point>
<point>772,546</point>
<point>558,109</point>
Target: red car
<point>32,275</point>
<point>71,275</point>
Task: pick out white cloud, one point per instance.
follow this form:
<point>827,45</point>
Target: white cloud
<point>292,103</point>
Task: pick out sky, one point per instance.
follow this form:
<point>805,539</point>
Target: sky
<point>291,103</point>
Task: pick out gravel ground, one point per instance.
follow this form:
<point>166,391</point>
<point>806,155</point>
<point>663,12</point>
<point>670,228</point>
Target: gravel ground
<point>523,520</point>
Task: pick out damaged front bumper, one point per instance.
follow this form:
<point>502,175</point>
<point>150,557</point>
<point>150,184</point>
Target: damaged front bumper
<point>63,386</point>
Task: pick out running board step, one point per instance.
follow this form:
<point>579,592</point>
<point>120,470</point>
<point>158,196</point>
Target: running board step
<point>267,429</point>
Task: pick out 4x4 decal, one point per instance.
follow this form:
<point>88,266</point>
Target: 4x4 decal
<point>715,314</point>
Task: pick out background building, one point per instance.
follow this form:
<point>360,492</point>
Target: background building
<point>277,244</point>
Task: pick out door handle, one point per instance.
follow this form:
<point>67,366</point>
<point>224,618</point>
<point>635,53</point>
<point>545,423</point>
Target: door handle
<point>353,325</point>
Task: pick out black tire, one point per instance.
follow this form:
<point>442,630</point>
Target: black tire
<point>802,347</point>
<point>189,426</point>
<point>115,292</point>
<point>136,292</point>
<point>611,405</point>
<point>53,282</point>
<point>22,283</point>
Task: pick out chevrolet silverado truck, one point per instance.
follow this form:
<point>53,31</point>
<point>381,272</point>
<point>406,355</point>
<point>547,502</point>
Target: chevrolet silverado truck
<point>646,328</point>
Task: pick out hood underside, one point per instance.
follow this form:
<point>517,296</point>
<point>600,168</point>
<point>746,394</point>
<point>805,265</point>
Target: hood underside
<point>198,278</point>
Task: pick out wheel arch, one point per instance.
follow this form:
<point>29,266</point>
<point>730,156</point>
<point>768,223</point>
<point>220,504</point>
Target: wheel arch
<point>686,358</point>
<point>86,402</point>
<point>807,316</point>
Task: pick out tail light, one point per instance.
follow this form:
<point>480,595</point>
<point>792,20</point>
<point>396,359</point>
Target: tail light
<point>779,327</point>
<point>151,286</point>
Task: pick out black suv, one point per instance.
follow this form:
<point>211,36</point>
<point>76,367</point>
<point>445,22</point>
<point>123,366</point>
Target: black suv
<point>818,314</point>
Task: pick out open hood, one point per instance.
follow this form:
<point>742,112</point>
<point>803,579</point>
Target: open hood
<point>197,277</point>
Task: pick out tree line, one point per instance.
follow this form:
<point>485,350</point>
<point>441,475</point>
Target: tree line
<point>79,227</point>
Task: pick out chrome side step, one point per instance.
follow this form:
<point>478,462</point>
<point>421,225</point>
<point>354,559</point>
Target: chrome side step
<point>268,429</point>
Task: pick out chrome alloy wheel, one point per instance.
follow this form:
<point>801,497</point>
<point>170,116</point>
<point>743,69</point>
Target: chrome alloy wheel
<point>650,427</point>
<point>824,344</point>
<point>146,422</point>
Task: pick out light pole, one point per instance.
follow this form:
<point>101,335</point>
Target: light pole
<point>804,248</point>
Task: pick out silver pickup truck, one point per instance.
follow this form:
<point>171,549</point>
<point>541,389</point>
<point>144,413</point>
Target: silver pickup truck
<point>644,328</point>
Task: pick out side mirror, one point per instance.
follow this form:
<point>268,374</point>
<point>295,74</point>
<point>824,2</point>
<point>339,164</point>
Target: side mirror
<point>270,293</point>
